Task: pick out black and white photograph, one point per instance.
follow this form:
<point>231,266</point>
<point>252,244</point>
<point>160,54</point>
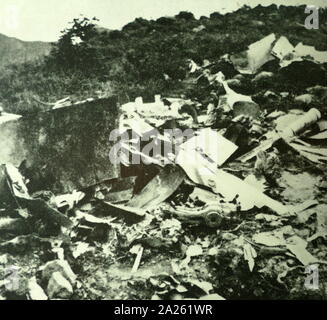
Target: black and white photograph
<point>163,150</point>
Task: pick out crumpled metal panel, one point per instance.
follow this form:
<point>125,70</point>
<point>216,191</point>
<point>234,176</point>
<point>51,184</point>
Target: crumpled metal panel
<point>64,149</point>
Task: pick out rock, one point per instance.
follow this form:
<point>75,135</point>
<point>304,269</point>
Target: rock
<point>284,94</point>
<point>256,128</point>
<point>266,97</point>
<point>257,23</point>
<point>199,28</point>
<point>246,108</point>
<point>319,91</point>
<point>316,89</point>
<point>15,285</point>
<point>225,67</point>
<point>234,83</point>
<point>21,244</point>
<point>35,291</point>
<point>262,76</point>
<point>239,77</point>
<point>271,94</point>
<point>304,98</point>
<point>59,287</point>
<point>61,266</point>
<point>3,259</point>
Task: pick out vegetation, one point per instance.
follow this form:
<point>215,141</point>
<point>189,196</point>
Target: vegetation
<point>145,57</point>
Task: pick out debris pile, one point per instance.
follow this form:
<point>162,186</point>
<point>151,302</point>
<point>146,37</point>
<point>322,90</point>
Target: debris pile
<point>221,197</point>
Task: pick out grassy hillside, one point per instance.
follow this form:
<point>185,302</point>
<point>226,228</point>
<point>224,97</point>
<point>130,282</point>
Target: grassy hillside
<point>146,57</point>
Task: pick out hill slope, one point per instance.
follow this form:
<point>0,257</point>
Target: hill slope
<point>146,57</point>
<point>13,50</point>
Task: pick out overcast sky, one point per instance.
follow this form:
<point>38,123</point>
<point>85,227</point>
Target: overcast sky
<point>44,19</point>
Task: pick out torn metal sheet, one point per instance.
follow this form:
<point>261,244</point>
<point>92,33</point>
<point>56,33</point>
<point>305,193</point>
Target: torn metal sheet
<point>201,171</point>
<point>298,247</point>
<point>259,184</point>
<point>121,190</point>
<point>68,200</point>
<point>322,125</point>
<point>130,151</point>
<point>119,196</point>
<point>260,52</point>
<point>305,205</point>
<point>134,122</point>
<point>314,154</point>
<point>282,48</point>
<point>94,220</point>
<point>287,134</point>
<point>302,50</point>
<point>5,117</point>
<point>138,250</point>
<point>126,212</point>
<point>197,166</point>
<point>193,66</point>
<point>256,56</point>
<point>38,207</point>
<point>267,49</point>
<point>212,144</point>
<point>65,149</point>
<point>319,136</point>
<point>161,187</point>
<point>155,113</point>
<point>228,101</point>
<point>203,195</point>
<point>269,239</point>
<point>230,186</point>
<point>249,255</point>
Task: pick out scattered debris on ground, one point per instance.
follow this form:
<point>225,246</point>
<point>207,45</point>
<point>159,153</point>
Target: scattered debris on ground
<point>233,209</point>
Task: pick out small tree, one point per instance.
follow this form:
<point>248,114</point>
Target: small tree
<point>73,50</point>
<point>185,15</point>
